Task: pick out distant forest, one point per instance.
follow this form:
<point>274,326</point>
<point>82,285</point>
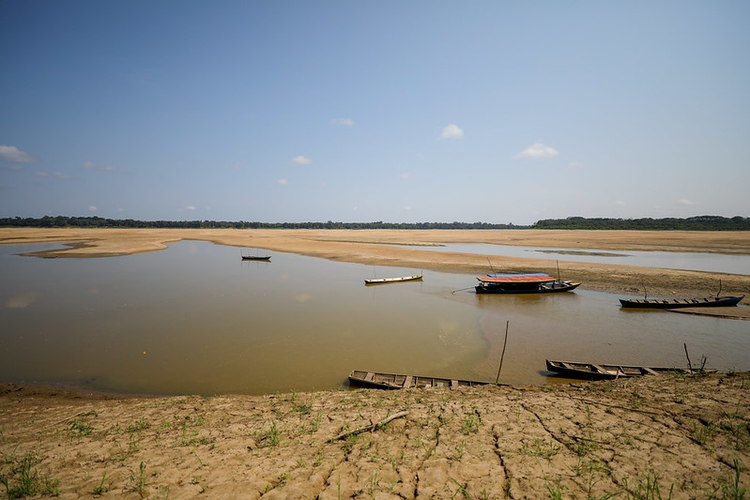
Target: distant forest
<point>701,223</point>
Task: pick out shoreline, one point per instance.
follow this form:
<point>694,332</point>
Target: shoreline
<point>388,248</point>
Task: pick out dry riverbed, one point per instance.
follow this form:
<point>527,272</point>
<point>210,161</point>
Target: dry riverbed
<point>656,437</point>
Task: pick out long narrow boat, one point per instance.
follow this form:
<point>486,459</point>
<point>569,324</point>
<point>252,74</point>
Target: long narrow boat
<point>256,257</point>
<point>398,381</point>
<point>523,283</point>
<point>381,281</point>
<point>728,301</point>
<point>592,371</point>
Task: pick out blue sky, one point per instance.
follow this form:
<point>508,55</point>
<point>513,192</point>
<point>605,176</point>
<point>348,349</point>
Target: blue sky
<point>400,111</point>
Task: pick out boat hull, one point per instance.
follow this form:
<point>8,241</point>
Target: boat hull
<point>593,371</point>
<point>681,303</point>
<point>537,288</point>
<point>383,281</point>
<point>400,381</point>
<point>261,258</point>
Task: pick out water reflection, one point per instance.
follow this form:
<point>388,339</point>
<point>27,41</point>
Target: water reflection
<point>196,319</point>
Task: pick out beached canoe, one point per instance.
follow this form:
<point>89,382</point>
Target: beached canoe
<point>727,301</point>
<point>574,369</point>
<point>398,381</point>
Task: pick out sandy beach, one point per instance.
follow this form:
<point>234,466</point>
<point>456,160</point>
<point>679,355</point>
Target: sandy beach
<point>657,437</point>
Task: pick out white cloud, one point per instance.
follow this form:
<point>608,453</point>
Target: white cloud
<point>301,160</point>
<point>620,203</point>
<point>407,208</point>
<point>283,182</point>
<point>452,131</point>
<point>190,207</point>
<point>344,122</point>
<point>537,151</point>
<point>683,201</point>
<point>12,153</point>
<point>405,175</point>
<point>92,208</point>
<point>576,164</point>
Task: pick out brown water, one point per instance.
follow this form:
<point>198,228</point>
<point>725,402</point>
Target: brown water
<point>196,319</point>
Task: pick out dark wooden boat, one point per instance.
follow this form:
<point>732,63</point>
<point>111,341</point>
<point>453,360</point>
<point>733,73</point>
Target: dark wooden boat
<point>398,381</point>
<point>523,283</point>
<point>728,301</point>
<point>382,281</point>
<point>257,257</point>
<point>592,371</point>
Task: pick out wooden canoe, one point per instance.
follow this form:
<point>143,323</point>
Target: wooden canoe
<point>574,369</point>
<point>398,381</point>
<point>727,301</point>
<point>382,281</point>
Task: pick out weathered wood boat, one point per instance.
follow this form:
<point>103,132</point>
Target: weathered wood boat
<point>256,257</point>
<point>523,283</point>
<point>382,281</point>
<point>728,301</point>
<point>592,371</point>
<point>398,381</point>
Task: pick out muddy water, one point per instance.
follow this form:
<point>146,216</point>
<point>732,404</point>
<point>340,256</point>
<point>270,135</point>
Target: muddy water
<point>196,319</point>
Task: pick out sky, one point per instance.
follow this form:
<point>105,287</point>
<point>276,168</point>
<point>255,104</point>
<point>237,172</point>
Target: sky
<point>362,111</point>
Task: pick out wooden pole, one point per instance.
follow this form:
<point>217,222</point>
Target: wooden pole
<point>690,365</point>
<point>497,380</point>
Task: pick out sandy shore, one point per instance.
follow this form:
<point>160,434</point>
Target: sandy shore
<point>657,437</point>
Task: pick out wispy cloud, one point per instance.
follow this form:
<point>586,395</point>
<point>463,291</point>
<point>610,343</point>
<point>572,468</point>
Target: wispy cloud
<point>452,131</point>
<point>576,164</point>
<point>537,151</point>
<point>56,175</point>
<point>93,208</point>
<point>190,207</point>
<point>684,201</point>
<point>283,182</point>
<point>344,122</point>
<point>104,168</point>
<point>12,153</point>
<point>301,160</point>
<point>405,175</point>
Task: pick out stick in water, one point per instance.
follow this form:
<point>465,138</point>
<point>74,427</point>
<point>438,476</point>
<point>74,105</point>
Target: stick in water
<point>497,380</point>
<point>690,365</point>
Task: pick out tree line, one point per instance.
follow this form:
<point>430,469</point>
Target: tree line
<point>101,222</point>
<point>700,223</point>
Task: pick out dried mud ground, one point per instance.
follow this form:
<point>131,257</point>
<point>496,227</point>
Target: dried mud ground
<point>655,437</point>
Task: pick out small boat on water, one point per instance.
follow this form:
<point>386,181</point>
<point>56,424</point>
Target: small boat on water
<point>522,283</point>
<point>727,301</point>
<point>257,257</point>
<point>381,281</point>
<point>398,381</point>
<point>592,371</point>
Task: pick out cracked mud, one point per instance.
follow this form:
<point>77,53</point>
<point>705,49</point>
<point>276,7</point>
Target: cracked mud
<point>678,436</point>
